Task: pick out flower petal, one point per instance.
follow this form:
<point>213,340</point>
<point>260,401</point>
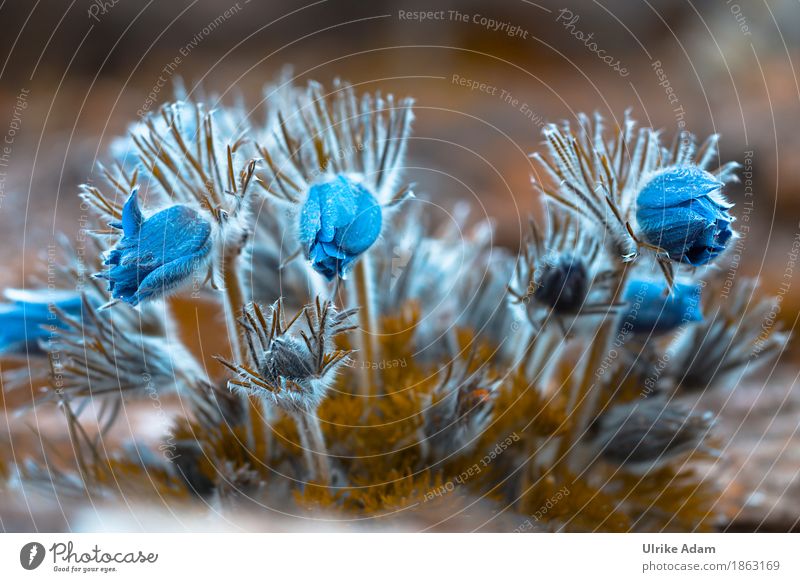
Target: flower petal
<point>676,185</point>
<point>173,233</point>
<point>310,218</point>
<point>339,220</point>
<point>673,229</point>
<point>365,228</point>
<point>166,277</point>
<point>652,309</point>
<point>30,319</point>
<point>132,218</point>
<point>156,254</point>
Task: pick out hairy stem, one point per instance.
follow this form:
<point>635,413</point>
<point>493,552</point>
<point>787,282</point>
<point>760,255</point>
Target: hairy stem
<point>321,451</point>
<point>585,394</point>
<point>313,443</point>
<point>368,328</point>
<point>234,301</point>
<point>543,352</point>
<point>305,444</point>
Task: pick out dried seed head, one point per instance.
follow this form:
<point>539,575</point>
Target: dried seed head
<point>562,274</point>
<point>288,367</point>
<point>650,431</point>
<point>563,285</point>
<point>459,409</point>
<point>287,358</point>
<point>731,341</point>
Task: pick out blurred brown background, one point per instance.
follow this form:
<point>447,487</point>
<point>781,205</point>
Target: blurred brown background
<point>74,74</point>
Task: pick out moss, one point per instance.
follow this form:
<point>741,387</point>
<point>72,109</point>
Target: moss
<point>567,502</point>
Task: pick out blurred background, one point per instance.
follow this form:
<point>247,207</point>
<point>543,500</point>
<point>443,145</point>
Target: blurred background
<point>486,76</point>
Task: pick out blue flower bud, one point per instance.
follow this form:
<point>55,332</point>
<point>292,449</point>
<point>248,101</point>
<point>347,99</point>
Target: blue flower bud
<point>155,254</point>
<point>651,309</point>
<point>339,221</point>
<point>30,318</point>
<point>682,211</point>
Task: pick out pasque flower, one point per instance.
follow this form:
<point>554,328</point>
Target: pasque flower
<point>155,254</point>
<point>562,274</point>
<point>334,159</point>
<point>681,210</point>
<point>339,220</point>
<point>501,352</point>
<point>99,357</point>
<point>289,368</point>
<point>715,354</point>
<point>653,309</point>
<point>25,320</point>
<point>564,284</point>
<point>676,202</point>
<point>651,431</point>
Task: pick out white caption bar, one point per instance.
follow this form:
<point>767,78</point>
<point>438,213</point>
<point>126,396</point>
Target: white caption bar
<point>389,557</point>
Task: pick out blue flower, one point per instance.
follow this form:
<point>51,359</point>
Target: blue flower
<point>339,221</point>
<point>29,318</point>
<point>155,254</point>
<point>651,309</point>
<point>682,211</point>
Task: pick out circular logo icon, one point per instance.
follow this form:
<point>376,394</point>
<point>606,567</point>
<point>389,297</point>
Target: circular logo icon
<point>31,555</point>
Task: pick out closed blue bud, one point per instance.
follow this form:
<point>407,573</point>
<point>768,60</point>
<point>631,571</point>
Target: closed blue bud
<point>682,211</point>
<point>651,309</point>
<point>155,254</point>
<point>29,317</point>
<point>339,221</point>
